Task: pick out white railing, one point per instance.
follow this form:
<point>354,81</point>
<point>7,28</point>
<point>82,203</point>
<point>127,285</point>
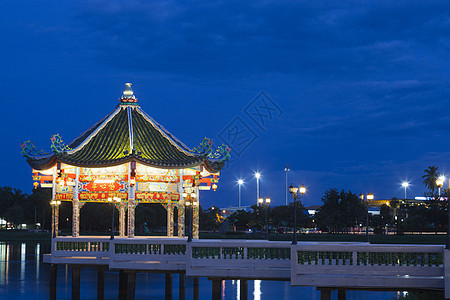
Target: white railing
<point>148,254</point>
<point>364,265</point>
<point>94,250</point>
<point>238,258</point>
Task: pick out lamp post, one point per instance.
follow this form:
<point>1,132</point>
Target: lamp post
<point>405,184</point>
<point>440,184</point>
<point>294,191</point>
<point>112,200</point>
<point>286,170</point>
<point>190,201</point>
<point>54,204</point>
<point>266,207</point>
<point>240,183</point>
<point>369,197</point>
<point>257,176</point>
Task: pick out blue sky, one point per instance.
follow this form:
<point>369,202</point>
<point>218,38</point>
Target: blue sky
<point>361,87</point>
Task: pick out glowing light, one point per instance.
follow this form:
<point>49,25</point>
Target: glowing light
<point>240,182</point>
<point>405,184</point>
<point>257,175</point>
<point>369,196</point>
<point>302,190</point>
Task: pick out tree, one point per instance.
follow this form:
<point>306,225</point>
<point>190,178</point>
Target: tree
<point>430,177</point>
<point>340,210</point>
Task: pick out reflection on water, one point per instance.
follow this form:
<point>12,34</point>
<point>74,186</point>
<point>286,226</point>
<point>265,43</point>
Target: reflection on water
<point>24,276</point>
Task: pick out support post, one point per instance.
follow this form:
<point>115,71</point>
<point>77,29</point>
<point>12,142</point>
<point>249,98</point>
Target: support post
<point>181,218</point>
<point>216,289</point>
<point>122,219</point>
<point>55,220</point>
<point>131,199</point>
<point>325,293</point>
<point>76,207</point>
<point>182,286</point>
<point>131,284</point>
<point>447,273</point>
<point>75,282</point>
<point>196,289</point>
<point>53,279</point>
<point>342,294</point>
<point>195,213</point>
<point>169,281</point>
<point>169,219</point>
<point>243,285</point>
<point>100,282</point>
<point>122,285</point>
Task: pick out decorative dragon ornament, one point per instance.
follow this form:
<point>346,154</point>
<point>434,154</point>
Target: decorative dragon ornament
<point>204,148</point>
<point>57,144</point>
<point>29,150</point>
<point>222,153</point>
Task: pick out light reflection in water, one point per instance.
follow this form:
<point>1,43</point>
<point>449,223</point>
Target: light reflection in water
<point>257,291</point>
<point>23,254</point>
<point>223,288</point>
<point>3,263</point>
<point>38,252</point>
<point>238,288</point>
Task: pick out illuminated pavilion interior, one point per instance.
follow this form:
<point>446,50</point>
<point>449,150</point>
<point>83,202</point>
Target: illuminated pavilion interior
<point>127,158</point>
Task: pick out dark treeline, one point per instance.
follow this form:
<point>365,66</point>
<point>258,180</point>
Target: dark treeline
<point>341,212</point>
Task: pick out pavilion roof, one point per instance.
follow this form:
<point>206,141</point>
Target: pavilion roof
<point>127,134</point>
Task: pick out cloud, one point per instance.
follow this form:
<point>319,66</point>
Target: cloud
<point>229,38</point>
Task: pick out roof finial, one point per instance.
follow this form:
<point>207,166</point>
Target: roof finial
<point>128,95</point>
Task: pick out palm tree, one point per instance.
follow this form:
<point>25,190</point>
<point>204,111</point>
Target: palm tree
<point>430,177</point>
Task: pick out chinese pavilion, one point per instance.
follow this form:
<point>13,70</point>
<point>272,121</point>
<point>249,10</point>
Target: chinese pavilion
<point>127,156</point>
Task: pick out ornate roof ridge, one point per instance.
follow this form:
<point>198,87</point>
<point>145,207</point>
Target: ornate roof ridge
<point>94,133</point>
<point>174,141</point>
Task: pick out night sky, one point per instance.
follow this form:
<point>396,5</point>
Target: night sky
<point>353,95</point>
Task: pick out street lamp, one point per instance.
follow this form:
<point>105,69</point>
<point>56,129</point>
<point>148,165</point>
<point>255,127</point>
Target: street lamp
<point>295,194</point>
<point>240,183</point>
<point>266,208</point>
<point>190,201</point>
<point>369,198</point>
<point>112,200</point>
<point>257,176</point>
<point>405,184</point>
<point>54,204</point>
<point>440,184</point>
<point>286,170</point>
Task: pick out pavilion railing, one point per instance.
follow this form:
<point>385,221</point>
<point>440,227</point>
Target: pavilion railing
<point>148,253</point>
<point>238,258</point>
<point>365,265</point>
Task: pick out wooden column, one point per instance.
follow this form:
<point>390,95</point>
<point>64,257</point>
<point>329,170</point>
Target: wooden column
<point>53,280</point>
<point>169,281</point>
<point>169,219</point>
<point>216,289</point>
<point>181,218</point>
<point>76,282</point>
<point>131,202</point>
<point>181,207</point>
<point>243,285</point>
<point>182,286</point>
<point>342,294</point>
<point>76,207</point>
<point>122,219</point>
<point>131,284</point>
<point>196,289</point>
<point>55,219</point>
<point>325,293</point>
<point>100,282</point>
<point>122,285</point>
<point>195,221</point>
